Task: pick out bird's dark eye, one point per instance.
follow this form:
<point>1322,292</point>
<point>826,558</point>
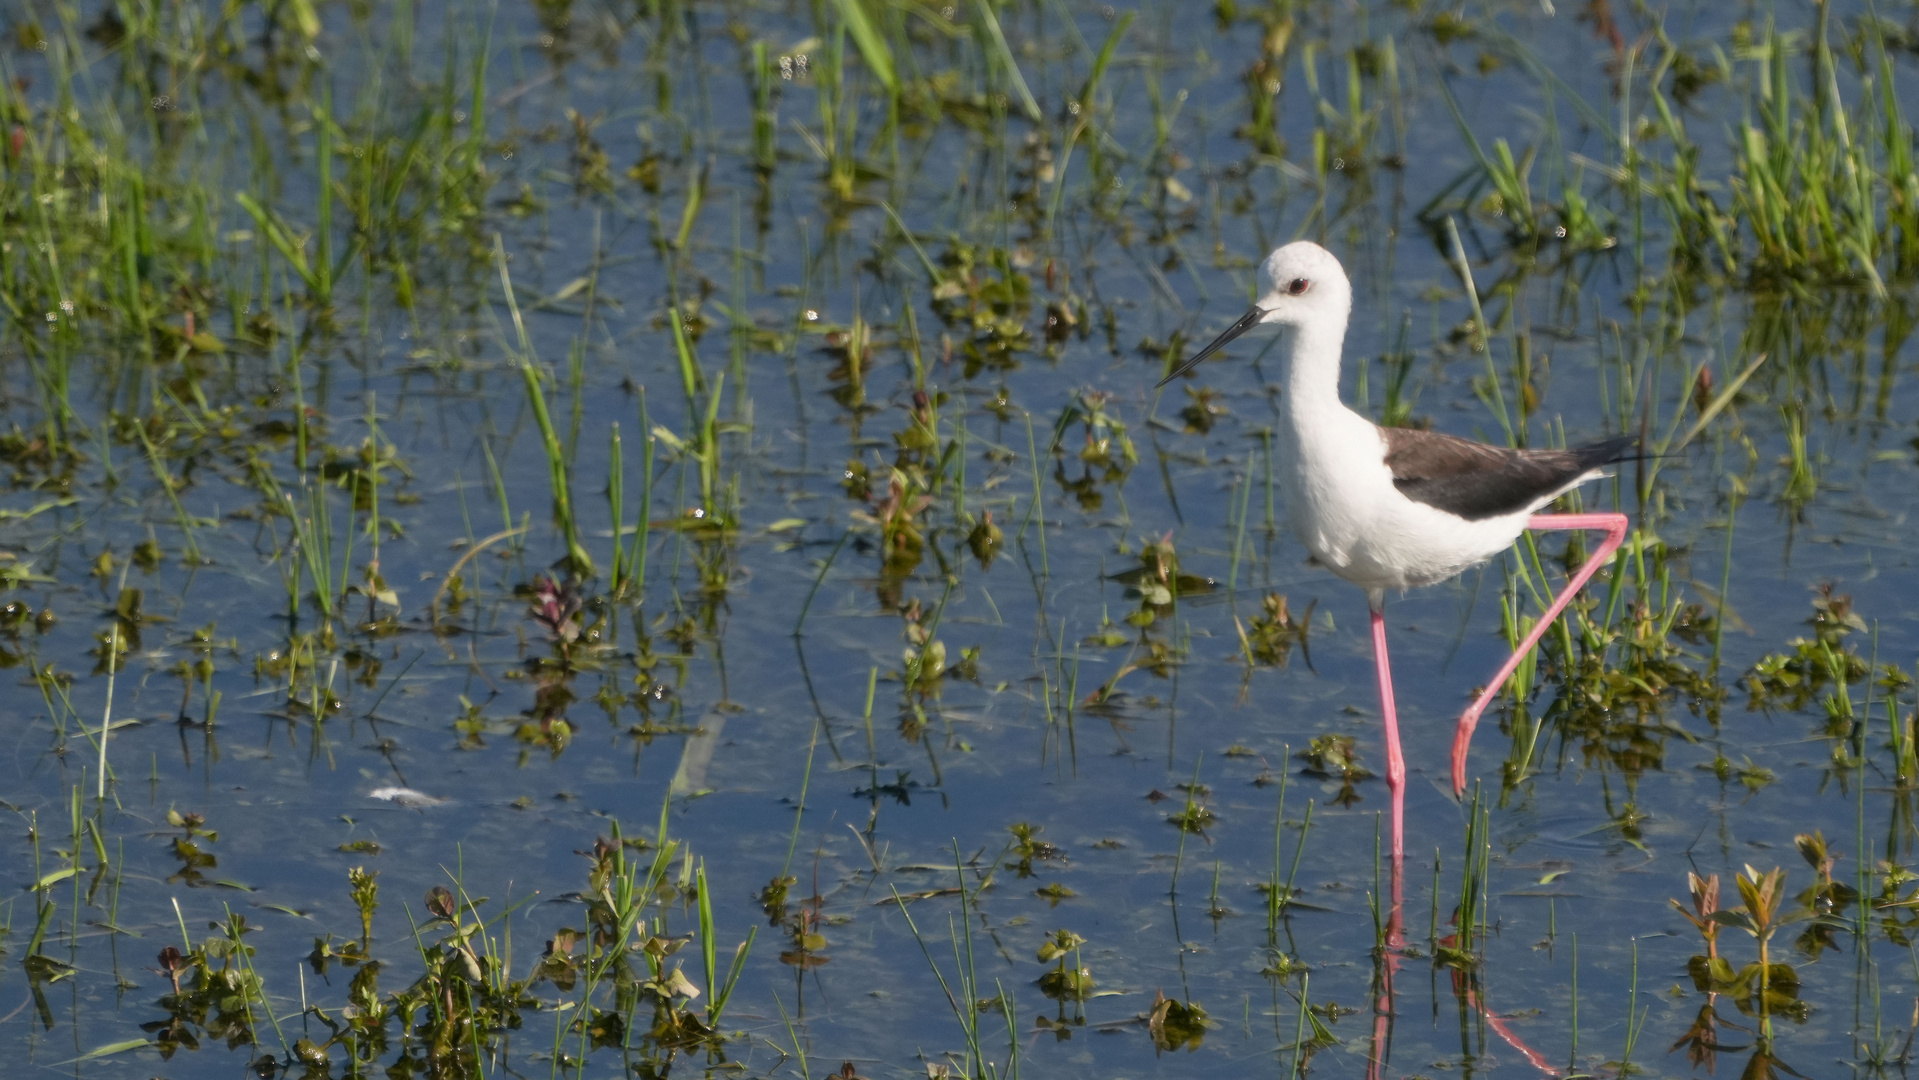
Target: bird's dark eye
<point>1297,286</point>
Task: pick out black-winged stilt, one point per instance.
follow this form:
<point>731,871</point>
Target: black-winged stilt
<point>1390,508</point>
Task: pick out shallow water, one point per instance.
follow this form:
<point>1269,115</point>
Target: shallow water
<point>738,678</point>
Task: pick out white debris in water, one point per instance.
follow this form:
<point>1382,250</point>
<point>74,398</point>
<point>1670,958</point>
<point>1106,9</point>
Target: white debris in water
<point>405,796</point>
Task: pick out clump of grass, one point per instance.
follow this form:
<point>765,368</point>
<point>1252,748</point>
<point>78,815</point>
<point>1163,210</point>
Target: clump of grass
<point>466,998</point>
<point>1818,182</point>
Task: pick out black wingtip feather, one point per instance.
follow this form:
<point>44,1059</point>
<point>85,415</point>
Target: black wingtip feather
<point>1608,451</point>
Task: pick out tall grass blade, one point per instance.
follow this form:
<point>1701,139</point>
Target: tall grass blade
<point>873,48</point>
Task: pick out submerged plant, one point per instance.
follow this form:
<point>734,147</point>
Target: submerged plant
<point>1763,986</point>
<point>1106,453</point>
<point>366,898</point>
<point>215,991</point>
<point>986,540</point>
<point>1028,848</point>
<point>985,294</point>
<point>1064,983</point>
<point>1194,816</point>
<point>1272,635</point>
<point>1336,757</point>
<point>901,526</point>
<point>1174,1025</point>
<point>1825,901</point>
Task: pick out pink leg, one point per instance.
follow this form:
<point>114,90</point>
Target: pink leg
<point>1395,762</point>
<point>1615,526</point>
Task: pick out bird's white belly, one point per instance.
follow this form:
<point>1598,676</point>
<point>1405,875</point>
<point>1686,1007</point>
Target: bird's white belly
<point>1347,512</point>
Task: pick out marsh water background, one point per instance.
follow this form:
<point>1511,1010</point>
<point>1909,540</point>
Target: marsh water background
<point>849,277</point>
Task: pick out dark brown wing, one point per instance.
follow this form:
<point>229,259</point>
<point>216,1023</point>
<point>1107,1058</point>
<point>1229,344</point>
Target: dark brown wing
<point>1475,481</point>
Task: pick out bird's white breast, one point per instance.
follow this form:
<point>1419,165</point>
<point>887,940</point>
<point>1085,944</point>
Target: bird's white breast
<point>1346,510</point>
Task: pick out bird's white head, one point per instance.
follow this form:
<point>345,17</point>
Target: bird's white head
<point>1301,288</point>
<point>1302,284</point>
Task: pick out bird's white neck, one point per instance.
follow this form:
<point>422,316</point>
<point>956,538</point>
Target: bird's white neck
<point>1312,369</point>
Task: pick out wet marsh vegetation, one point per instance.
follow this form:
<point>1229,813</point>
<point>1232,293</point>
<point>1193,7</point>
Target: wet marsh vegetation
<point>634,537</point>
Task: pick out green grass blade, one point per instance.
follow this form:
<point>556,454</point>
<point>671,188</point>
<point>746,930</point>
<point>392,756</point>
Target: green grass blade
<point>873,48</point>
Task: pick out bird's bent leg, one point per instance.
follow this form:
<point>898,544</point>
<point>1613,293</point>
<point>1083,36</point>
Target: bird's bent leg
<point>1615,526</point>
<point>1395,762</point>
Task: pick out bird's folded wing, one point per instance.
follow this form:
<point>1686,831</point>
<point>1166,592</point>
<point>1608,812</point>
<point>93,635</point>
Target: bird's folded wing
<point>1475,481</point>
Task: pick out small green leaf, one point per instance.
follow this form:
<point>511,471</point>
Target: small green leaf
<point>670,439</point>
<point>1733,918</point>
<point>677,983</point>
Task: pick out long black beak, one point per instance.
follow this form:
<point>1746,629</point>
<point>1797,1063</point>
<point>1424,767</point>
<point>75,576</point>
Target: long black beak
<point>1246,322</point>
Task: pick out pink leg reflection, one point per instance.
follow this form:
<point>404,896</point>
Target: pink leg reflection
<point>1501,1029</point>
<point>1383,1004</point>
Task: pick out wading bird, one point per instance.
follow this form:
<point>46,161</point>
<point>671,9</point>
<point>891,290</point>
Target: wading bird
<point>1391,508</point>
